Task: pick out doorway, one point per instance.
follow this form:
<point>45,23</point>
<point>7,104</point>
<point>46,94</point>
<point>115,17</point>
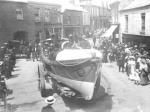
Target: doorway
<point>21,36</point>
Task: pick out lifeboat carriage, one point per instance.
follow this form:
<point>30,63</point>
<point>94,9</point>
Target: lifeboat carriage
<point>72,69</point>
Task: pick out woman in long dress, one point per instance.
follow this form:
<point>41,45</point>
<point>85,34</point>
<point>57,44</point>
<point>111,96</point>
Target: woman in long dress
<point>144,72</point>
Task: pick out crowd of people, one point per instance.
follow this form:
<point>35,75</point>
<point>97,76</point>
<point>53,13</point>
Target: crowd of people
<point>131,59</point>
<point>7,64</point>
<point>9,51</point>
<point>135,61</point>
<point>8,59</point>
<point>29,50</point>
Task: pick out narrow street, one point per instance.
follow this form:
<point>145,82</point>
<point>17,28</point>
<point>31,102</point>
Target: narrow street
<point>127,97</point>
<point>71,37</point>
<point>117,93</point>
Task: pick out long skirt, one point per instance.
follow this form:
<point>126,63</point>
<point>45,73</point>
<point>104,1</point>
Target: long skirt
<point>144,78</point>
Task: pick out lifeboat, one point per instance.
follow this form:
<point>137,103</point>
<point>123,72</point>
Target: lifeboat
<point>73,71</point>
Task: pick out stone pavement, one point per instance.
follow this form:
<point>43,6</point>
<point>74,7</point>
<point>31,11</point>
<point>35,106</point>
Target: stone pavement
<point>26,96</point>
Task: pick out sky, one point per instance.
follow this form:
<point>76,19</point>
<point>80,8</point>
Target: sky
<point>96,2</point>
<point>66,1</point>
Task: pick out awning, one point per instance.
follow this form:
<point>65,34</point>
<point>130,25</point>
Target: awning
<point>110,31</point>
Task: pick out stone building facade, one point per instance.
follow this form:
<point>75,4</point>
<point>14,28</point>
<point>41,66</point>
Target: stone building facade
<point>29,20</point>
<point>72,22</point>
<point>14,21</point>
<point>46,19</point>
<point>135,24</point>
<point>99,15</point>
<point>25,21</point>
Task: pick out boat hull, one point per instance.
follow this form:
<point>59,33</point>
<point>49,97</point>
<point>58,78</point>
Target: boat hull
<point>86,89</point>
<point>80,77</point>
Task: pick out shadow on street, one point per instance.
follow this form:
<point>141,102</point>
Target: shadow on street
<point>14,107</point>
<point>103,103</point>
<point>48,108</point>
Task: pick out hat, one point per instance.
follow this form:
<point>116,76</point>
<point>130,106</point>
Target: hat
<point>135,46</point>
<point>49,39</point>
<point>6,56</point>
<point>131,57</point>
<point>70,35</point>
<point>126,46</point>
<point>50,100</point>
<point>5,43</point>
<point>83,36</point>
<point>143,61</point>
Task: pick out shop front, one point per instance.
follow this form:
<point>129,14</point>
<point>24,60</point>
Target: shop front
<point>136,39</point>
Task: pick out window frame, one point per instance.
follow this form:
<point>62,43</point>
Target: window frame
<point>37,15</point>
<point>19,14</point>
<point>143,22</point>
<point>47,15</point>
